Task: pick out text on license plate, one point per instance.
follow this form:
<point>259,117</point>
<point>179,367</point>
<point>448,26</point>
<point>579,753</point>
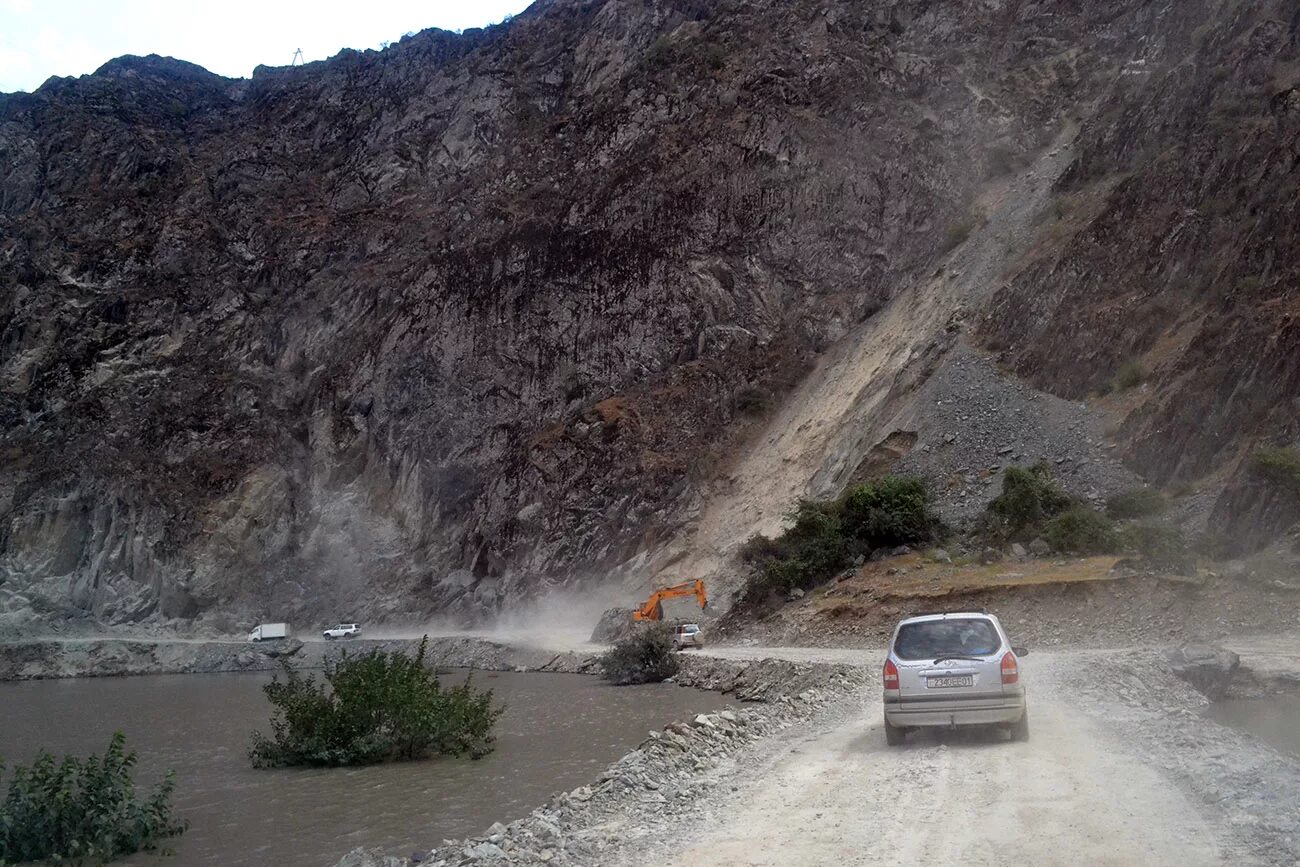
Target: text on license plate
<point>959,680</point>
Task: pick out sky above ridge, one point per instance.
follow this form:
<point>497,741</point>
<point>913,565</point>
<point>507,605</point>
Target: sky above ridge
<point>41,38</point>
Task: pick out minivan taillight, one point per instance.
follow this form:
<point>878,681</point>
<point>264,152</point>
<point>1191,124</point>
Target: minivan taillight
<point>891,674</point>
<point>1010,668</point>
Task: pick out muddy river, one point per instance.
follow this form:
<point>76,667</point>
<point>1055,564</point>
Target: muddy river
<point>1275,720</point>
<point>559,732</point>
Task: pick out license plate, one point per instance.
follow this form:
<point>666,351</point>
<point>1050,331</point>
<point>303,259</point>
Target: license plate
<point>960,680</point>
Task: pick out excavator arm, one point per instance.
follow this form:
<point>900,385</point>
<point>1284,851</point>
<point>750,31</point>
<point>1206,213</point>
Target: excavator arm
<point>653,608</point>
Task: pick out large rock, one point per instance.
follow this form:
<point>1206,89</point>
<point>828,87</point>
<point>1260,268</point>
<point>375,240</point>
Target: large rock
<point>614,625</point>
<point>281,648</point>
<point>369,858</point>
<point>1209,669</point>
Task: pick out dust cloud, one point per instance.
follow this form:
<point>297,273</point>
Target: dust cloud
<point>562,620</point>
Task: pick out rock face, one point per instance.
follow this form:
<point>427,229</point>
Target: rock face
<point>1174,251</point>
<point>615,624</point>
<point>1209,669</point>
<point>441,327</point>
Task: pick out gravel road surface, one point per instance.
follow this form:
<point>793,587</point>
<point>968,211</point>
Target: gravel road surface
<point>1071,795</point>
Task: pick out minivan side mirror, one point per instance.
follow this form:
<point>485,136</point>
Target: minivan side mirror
<point>1020,651</point>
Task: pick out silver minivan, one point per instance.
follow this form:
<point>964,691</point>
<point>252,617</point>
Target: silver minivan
<point>947,670</point>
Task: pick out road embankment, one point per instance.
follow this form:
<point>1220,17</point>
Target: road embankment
<point>746,679</point>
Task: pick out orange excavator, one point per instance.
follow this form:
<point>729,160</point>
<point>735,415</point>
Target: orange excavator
<point>653,608</point>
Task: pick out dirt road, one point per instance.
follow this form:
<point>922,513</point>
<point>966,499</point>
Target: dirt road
<point>1074,794</point>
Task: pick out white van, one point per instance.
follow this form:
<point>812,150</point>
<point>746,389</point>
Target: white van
<point>269,632</point>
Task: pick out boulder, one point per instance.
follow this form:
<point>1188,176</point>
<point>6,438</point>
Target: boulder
<point>1209,669</point>
<point>486,852</point>
<point>283,647</point>
<point>369,858</point>
<point>1039,548</point>
<point>614,625</point>
<point>1018,551</point>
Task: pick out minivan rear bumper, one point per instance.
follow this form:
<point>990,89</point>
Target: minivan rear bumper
<point>974,711</point>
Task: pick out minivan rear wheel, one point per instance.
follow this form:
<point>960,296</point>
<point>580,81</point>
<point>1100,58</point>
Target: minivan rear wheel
<point>894,735</point>
<point>1020,729</point>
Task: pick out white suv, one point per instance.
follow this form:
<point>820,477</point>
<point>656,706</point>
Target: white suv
<point>951,670</point>
<point>687,635</point>
<point>342,630</point>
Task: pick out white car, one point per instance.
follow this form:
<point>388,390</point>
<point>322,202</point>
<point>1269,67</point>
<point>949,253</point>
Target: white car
<point>948,670</point>
<point>687,635</point>
<point>342,630</point>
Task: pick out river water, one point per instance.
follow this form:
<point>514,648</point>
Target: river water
<point>559,731</point>
<point>1274,720</point>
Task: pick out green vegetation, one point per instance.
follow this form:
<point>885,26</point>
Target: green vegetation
<point>715,56</point>
<point>83,809</point>
<point>661,52</point>
<point>1136,503</point>
<point>1159,546</point>
<point>893,511</point>
<point>1029,498</point>
<point>1278,465</point>
<point>1080,530</point>
<point>825,536</point>
<point>1131,374</point>
<point>686,53</point>
<point>646,656</point>
<point>379,707</point>
<point>1032,505</point>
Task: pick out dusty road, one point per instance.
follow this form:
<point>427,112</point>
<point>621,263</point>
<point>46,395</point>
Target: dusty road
<point>1074,794</point>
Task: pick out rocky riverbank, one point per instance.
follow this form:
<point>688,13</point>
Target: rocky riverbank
<point>678,778</point>
<point>670,777</point>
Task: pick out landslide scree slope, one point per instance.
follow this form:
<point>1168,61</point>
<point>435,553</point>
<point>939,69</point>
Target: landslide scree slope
<point>437,327</point>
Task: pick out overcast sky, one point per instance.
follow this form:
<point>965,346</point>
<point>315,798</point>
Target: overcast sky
<point>40,38</point>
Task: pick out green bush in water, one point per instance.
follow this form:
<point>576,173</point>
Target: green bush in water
<point>376,707</point>
<point>83,810</point>
<point>646,656</point>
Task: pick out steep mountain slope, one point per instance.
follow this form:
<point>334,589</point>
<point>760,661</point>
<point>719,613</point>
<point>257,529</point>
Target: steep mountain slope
<point>440,327</point>
<point>1185,260</point>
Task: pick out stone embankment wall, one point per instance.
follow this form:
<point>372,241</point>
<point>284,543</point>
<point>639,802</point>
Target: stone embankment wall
<point>118,657</point>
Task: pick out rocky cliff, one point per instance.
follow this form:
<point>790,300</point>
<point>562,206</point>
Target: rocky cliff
<point>445,326</point>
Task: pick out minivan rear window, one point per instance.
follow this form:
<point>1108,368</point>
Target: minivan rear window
<point>931,639</point>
